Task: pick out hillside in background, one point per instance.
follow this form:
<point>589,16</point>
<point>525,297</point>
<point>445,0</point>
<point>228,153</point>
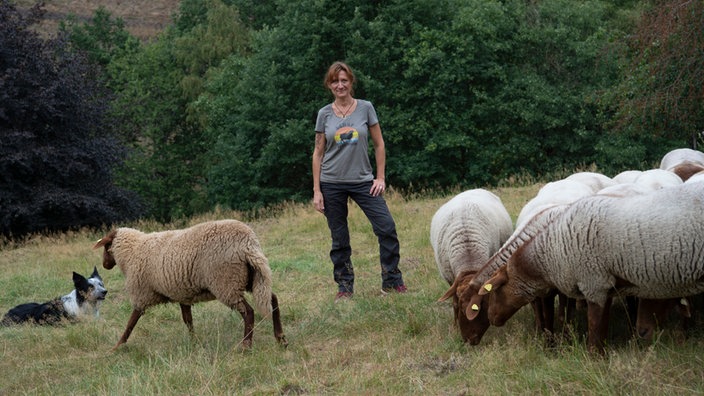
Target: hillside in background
<point>143,18</point>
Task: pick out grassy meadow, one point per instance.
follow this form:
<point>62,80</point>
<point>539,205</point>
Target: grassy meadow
<point>371,345</point>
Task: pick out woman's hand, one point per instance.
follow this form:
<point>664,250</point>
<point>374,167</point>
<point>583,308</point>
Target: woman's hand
<point>318,202</point>
<point>378,187</point>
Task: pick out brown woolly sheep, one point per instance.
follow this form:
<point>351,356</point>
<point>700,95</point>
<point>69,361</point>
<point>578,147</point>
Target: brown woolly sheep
<point>213,260</point>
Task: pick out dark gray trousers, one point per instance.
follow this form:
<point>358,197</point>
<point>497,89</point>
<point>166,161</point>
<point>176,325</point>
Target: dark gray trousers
<point>335,199</point>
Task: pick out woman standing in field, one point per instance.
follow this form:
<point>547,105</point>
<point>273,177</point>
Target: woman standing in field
<point>342,170</point>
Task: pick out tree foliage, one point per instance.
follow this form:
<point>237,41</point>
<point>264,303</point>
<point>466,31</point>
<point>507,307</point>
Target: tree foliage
<point>659,99</point>
<point>468,92</point>
<point>158,87</point>
<point>103,39</point>
<point>56,148</point>
<point>220,108</point>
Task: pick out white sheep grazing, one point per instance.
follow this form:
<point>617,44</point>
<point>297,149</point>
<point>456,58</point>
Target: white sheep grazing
<point>649,313</point>
<point>647,245</point>
<point>681,156</point>
<point>467,230</point>
<point>472,320</point>
<point>683,162</point>
<point>627,176</point>
<point>596,181</point>
<point>625,190</point>
<point>464,233</point>
<point>559,192</point>
<point>658,178</point>
<point>213,260</point>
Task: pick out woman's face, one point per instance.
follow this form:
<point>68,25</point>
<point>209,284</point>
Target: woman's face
<point>340,86</point>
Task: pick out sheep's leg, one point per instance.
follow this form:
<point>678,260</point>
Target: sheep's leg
<point>248,317</point>
<point>187,317</point>
<point>549,317</point>
<point>544,311</point>
<point>549,313</point>
<point>136,314</point>
<point>598,318</point>
<point>276,318</point>
<point>604,328</point>
<point>537,306</point>
<point>632,310</point>
<point>566,315</point>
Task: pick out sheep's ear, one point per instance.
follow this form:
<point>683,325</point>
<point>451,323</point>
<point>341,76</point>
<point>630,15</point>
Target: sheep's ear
<point>100,243</point>
<point>449,293</point>
<point>459,279</point>
<point>499,279</point>
<point>474,306</point>
<point>106,240</point>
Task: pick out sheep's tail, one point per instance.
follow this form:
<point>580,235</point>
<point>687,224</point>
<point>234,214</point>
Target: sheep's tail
<point>261,282</point>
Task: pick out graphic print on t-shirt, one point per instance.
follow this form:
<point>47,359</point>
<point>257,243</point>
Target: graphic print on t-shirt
<point>346,135</point>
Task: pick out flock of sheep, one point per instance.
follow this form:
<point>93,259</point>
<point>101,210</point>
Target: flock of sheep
<point>586,238</point>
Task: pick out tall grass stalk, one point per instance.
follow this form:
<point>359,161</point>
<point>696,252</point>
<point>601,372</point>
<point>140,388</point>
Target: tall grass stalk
<point>371,345</point>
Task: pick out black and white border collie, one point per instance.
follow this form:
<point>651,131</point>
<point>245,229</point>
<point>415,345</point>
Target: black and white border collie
<point>84,300</point>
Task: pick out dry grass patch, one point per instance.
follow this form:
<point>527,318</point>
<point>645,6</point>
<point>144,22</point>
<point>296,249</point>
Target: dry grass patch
<point>144,19</point>
<point>395,345</point>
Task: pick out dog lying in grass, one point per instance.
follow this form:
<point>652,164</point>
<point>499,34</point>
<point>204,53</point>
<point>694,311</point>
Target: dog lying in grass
<point>83,300</point>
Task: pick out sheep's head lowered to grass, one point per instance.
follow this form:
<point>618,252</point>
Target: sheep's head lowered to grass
<point>471,307</point>
<point>504,299</point>
<point>472,320</point>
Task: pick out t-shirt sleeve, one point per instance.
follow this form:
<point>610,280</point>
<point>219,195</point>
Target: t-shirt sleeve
<point>320,121</point>
<point>371,115</point>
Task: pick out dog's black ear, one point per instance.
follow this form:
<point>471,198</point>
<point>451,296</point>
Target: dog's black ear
<point>79,281</point>
<point>95,273</point>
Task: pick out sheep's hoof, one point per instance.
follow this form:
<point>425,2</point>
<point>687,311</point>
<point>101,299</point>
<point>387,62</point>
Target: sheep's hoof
<point>117,346</point>
<point>283,342</point>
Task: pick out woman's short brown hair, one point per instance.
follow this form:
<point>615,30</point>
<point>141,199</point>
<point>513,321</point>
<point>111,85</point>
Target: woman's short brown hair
<point>334,70</point>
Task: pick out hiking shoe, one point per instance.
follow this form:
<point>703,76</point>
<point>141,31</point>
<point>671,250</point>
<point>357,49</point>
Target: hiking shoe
<point>396,289</point>
<point>343,296</point>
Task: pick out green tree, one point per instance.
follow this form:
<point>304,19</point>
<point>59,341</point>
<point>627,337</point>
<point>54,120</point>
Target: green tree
<point>443,58</point>
<point>554,72</point>
<point>262,121</point>
<point>103,38</point>
<point>468,92</point>
<point>158,88</point>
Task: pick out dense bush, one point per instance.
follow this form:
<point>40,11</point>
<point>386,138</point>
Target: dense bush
<point>56,149</point>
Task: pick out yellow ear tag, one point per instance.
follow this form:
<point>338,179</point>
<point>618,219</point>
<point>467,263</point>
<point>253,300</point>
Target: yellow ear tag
<point>684,302</point>
<point>488,287</point>
<point>98,241</point>
<point>475,307</point>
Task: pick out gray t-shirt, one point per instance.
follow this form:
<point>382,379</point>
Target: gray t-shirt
<point>346,158</point>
